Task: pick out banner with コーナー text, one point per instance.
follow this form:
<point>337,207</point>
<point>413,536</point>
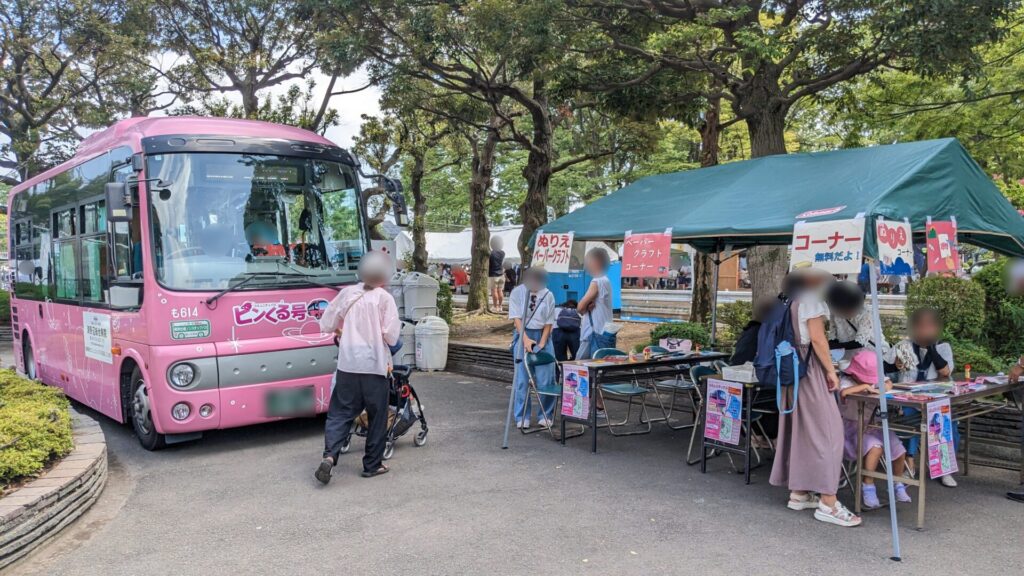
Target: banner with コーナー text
<point>835,246</point>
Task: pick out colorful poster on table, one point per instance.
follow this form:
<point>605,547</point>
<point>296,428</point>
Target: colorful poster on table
<point>835,246</point>
<point>895,247</point>
<point>647,255</point>
<point>723,420</point>
<point>940,244</point>
<point>575,391</point>
<point>941,451</point>
<point>552,251</point>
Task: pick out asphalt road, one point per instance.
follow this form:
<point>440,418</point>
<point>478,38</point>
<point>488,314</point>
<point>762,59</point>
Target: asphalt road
<point>245,502</point>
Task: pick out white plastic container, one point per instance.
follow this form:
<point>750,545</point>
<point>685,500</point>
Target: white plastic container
<point>431,344</point>
<point>420,295</point>
<point>397,291</point>
<point>406,356</point>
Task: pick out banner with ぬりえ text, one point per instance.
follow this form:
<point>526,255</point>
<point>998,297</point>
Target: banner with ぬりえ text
<point>895,248</point>
<point>552,251</point>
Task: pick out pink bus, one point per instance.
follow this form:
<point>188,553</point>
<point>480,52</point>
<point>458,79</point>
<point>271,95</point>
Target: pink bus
<point>172,273</point>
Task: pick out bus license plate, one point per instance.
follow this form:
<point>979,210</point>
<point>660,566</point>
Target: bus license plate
<point>290,402</point>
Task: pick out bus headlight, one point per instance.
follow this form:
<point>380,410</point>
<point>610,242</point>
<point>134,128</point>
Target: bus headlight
<point>181,411</point>
<point>182,375</point>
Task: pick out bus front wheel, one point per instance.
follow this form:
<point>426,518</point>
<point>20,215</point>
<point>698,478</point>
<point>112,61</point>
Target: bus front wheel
<point>142,415</point>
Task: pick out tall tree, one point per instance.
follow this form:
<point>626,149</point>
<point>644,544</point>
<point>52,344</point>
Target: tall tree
<point>499,51</point>
<point>764,56</point>
<point>243,48</point>
<point>380,144</point>
<point>56,60</point>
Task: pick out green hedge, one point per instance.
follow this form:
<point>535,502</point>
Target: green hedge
<point>961,303</point>
<point>5,307</point>
<point>981,361</point>
<point>735,316</point>
<point>1004,314</point>
<point>35,426</point>
<point>684,330</point>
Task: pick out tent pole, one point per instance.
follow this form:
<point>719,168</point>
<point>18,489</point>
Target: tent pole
<point>714,293</point>
<point>884,412</point>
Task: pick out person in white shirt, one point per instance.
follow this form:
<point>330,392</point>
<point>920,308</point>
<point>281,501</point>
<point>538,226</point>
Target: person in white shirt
<point>365,318</point>
<point>531,307</point>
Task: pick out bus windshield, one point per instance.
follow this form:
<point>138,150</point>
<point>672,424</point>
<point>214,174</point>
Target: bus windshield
<point>219,218</point>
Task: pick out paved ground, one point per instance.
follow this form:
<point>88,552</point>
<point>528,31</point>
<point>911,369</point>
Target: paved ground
<point>245,502</point>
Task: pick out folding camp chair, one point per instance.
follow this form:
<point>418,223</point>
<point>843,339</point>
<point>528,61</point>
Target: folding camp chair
<point>551,389</point>
<point>696,373</point>
<point>629,391</point>
<point>676,385</point>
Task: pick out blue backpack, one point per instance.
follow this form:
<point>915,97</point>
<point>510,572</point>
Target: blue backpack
<point>777,358</point>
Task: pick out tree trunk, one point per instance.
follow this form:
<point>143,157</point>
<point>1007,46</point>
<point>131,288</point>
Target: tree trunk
<point>767,265</point>
<point>479,184</point>
<point>703,265</point>
<point>534,210</point>
<point>250,101</point>
<point>419,214</point>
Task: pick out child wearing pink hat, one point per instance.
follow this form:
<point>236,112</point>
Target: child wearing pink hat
<point>859,377</point>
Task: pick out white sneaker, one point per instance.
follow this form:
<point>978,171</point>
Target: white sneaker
<point>523,424</point>
<point>805,502</point>
<point>602,415</point>
<point>543,422</point>
<point>948,481</point>
<point>839,515</point>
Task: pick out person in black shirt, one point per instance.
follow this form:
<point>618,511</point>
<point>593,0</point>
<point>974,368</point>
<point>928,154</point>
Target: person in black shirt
<point>496,273</point>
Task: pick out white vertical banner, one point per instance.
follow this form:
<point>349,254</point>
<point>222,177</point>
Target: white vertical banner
<point>552,251</point>
<point>835,246</point>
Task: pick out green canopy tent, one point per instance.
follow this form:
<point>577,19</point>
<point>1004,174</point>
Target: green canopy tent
<point>757,201</point>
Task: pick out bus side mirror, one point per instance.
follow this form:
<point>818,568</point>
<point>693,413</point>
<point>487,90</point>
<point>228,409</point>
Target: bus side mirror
<point>393,190</point>
<point>119,203</point>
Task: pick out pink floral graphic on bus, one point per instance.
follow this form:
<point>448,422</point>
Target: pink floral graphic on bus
<point>249,313</point>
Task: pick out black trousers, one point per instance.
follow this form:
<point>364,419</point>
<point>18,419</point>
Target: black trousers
<point>566,342</point>
<point>354,393</point>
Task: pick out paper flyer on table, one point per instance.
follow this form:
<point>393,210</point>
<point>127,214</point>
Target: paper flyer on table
<point>724,412</point>
<point>941,451</point>
<point>575,391</point>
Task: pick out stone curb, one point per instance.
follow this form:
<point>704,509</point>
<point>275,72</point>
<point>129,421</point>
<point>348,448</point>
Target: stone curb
<point>34,513</point>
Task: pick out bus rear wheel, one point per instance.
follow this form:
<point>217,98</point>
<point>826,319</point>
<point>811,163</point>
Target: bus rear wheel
<point>142,414</point>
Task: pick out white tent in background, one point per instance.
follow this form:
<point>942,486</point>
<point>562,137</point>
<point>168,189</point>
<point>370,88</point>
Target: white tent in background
<point>454,247</point>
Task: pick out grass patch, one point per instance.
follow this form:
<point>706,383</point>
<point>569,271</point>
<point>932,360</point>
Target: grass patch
<point>35,427</point>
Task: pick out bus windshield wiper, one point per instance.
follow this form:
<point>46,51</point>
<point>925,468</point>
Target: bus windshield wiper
<point>307,276</point>
<point>249,277</point>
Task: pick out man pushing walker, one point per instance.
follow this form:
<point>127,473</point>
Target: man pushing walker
<point>365,318</point>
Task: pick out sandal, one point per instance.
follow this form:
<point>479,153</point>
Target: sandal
<point>323,471</point>
<point>371,473</point>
